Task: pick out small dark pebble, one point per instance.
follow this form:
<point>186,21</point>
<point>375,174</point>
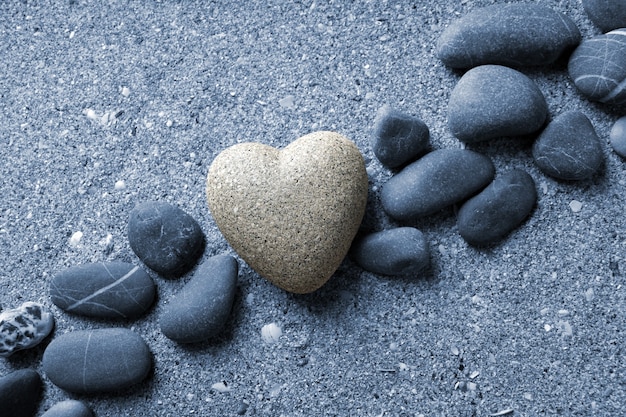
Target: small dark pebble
<point>243,407</point>
<point>618,137</point>
<point>68,408</point>
<point>20,393</point>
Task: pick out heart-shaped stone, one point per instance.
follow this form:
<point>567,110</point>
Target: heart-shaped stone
<point>291,214</point>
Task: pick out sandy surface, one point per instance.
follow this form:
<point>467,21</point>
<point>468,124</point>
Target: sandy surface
<point>148,93</point>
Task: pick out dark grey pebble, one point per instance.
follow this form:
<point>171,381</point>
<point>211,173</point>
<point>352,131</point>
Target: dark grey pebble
<point>569,148</point>
<point>497,210</point>
<point>598,67</point>
<point>606,14</point>
<point>399,251</point>
<point>97,361</point>
<point>200,310</point>
<point>398,138</point>
<point>507,34</point>
<point>68,408</point>
<point>112,290</point>
<point>437,180</point>
<point>20,393</point>
<point>165,238</point>
<point>618,137</point>
<point>493,101</point>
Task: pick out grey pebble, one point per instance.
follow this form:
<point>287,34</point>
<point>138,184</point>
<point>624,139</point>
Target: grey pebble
<point>439,179</point>
<point>200,310</point>
<point>501,207</point>
<point>494,101</point>
<point>398,138</point>
<point>112,290</point>
<point>618,137</point>
<point>606,14</point>
<point>68,408</point>
<point>507,34</point>
<point>97,361</point>
<point>20,393</point>
<point>569,148</point>
<point>598,67</point>
<point>165,238</point>
<point>399,251</point>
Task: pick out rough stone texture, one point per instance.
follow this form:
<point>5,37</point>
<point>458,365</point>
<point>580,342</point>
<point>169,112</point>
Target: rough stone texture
<point>598,67</point>
<point>398,138</point>
<point>493,101</point>
<point>501,207</point>
<point>291,214</point>
<point>24,327</point>
<point>97,361</point>
<point>618,137</point>
<point>606,14</point>
<point>569,148</point>
<point>68,408</point>
<point>507,34</point>
<point>20,393</point>
<point>439,179</point>
<point>399,251</point>
<point>165,238</point>
<point>112,290</point>
<point>200,310</point>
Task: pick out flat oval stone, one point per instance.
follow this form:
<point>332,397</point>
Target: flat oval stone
<point>439,179</point>
<point>68,408</point>
<point>398,251</point>
<point>20,393</point>
<point>165,238</point>
<point>291,214</point>
<point>200,310</point>
<point>598,67</point>
<point>493,101</point>
<point>507,34</point>
<point>569,148</point>
<point>111,290</point>
<point>398,137</point>
<point>606,14</point>
<point>618,137</point>
<point>97,361</point>
<point>497,210</point>
<point>24,327</point>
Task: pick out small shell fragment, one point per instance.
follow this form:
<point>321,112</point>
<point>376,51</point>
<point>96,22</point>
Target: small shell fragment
<point>220,387</point>
<point>271,333</point>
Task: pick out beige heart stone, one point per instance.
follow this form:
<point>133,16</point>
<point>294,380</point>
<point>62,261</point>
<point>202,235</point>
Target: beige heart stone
<point>291,214</point>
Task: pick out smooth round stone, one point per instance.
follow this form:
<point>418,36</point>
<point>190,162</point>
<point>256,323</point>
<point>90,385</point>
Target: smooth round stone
<point>569,148</point>
<point>111,290</point>
<point>400,251</point>
<point>598,67</point>
<point>398,138</point>
<point>618,137</point>
<point>439,179</point>
<point>97,361</point>
<point>24,327</point>
<point>493,101</point>
<point>291,214</point>
<point>165,238</point>
<point>68,408</point>
<point>200,310</point>
<point>606,14</point>
<point>20,393</point>
<point>501,207</point>
<point>507,34</point>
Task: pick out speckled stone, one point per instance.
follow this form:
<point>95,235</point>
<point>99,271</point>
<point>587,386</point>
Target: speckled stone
<point>20,393</point>
<point>24,327</point>
<point>439,179</point>
<point>508,34</point>
<point>200,310</point>
<point>493,101</point>
<point>97,361</point>
<point>501,207</point>
<point>111,290</point>
<point>68,408</point>
<point>165,238</point>
<point>598,67</point>
<point>618,137</point>
<point>606,14</point>
<point>291,214</point>
<point>569,148</point>
<point>398,138</point>
<point>402,251</point>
